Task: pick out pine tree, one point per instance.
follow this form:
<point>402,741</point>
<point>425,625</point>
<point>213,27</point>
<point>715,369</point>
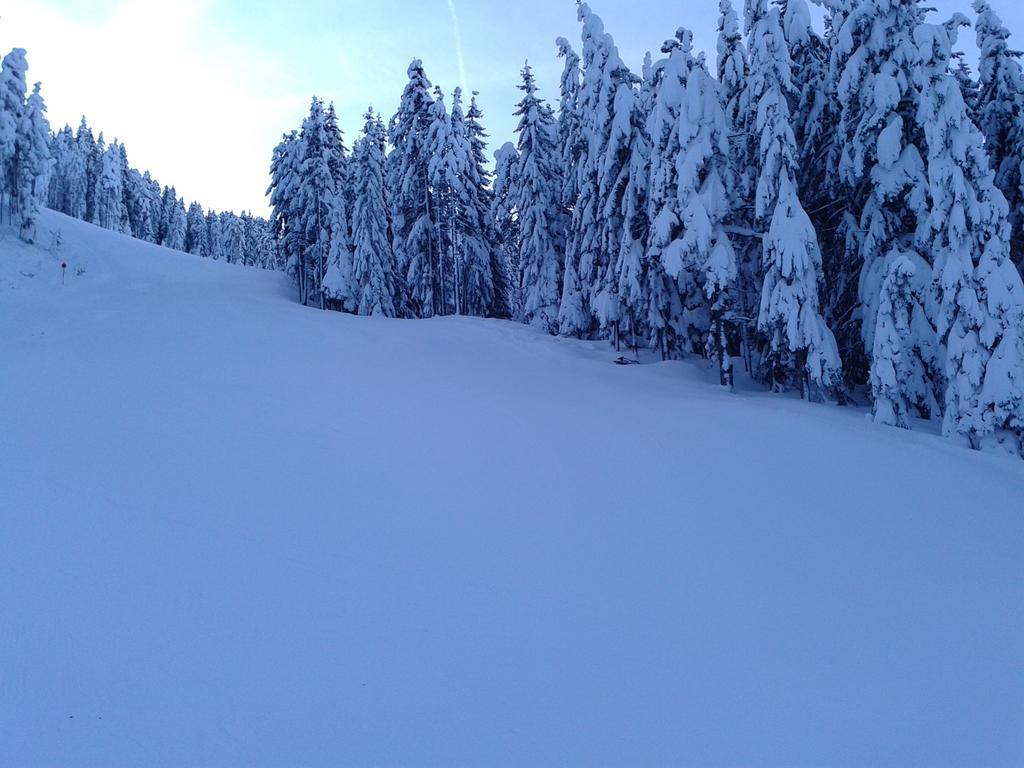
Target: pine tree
<point>906,366</point>
<point>34,163</point>
<point>592,239</point>
<point>285,178</point>
<point>442,176</point>
<point>831,204</point>
<point>799,346</point>
<point>704,249</point>
<point>109,210</point>
<point>814,118</point>
<point>126,191</point>
<point>809,66</point>
<point>743,152</point>
<point>165,213</point>
<point>879,169</point>
<point>374,268</point>
<point>669,325</point>
<point>505,223</point>
<point>537,201</point>
<point>93,172</point>
<point>265,247</point>
<point>732,78</point>
<point>340,287</point>
<point>231,240</point>
<point>150,199</point>
<point>196,241</point>
<point>60,151</point>
<point>1000,114</point>
<point>12,107</point>
<point>175,237</point>
<point>614,130</point>
<point>630,269</point>
<point>315,204</point>
<point>500,306</point>
<point>76,183</point>
<point>969,86</point>
<point>412,215</point>
<point>87,150</point>
<point>468,230</point>
<point>569,128</point>
<point>215,236</point>
<point>979,295</point>
<point>247,238</point>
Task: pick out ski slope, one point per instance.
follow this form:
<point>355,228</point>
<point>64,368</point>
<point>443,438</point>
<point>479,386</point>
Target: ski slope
<point>239,532</point>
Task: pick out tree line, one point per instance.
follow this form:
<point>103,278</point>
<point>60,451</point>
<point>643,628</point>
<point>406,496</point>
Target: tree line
<point>94,182</point>
<point>82,176</point>
<point>840,211</point>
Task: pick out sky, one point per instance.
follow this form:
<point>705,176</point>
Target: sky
<point>200,91</point>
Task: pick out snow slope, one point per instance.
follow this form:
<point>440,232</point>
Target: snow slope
<point>238,532</point>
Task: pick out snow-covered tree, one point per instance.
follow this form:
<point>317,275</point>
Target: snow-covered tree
<point>25,156</point>
<point>339,284</point>
<point>732,75</point>
<point>374,269</point>
<point>196,241</point>
<point>499,266</point>
<point>469,235</point>
<point>814,116</point>
<point>1000,115</point>
<point>441,174</point>
<point>879,171</point>
<point>93,171</point>
<point>538,205</point>
<point>703,249</point>
<point>505,222</point>
<point>979,295</point>
<point>631,265</point>
<point>109,211</point>
<point>78,176</point>
<point>125,225</point>
<point>34,163</point>
<point>231,238</point>
<point>906,372</point>
<point>175,235</point>
<point>76,172</point>
<point>799,347</point>
<point>732,69</point>
<point>60,152</point>
<point>620,306</point>
<point>265,247</point>
<point>569,128</point>
<point>315,203</point>
<point>969,85</point>
<point>247,238</point>
<point>665,319</point>
<point>215,236</point>
<point>605,109</point>
<point>12,107</point>
<point>412,215</point>
<point>809,65</point>
<point>147,196</point>
<point>613,132</point>
<point>285,177</point>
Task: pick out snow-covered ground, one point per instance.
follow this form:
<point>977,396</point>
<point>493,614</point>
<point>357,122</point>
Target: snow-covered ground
<point>238,532</point>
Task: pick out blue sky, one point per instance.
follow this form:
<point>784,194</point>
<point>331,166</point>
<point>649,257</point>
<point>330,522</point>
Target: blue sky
<point>201,90</point>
